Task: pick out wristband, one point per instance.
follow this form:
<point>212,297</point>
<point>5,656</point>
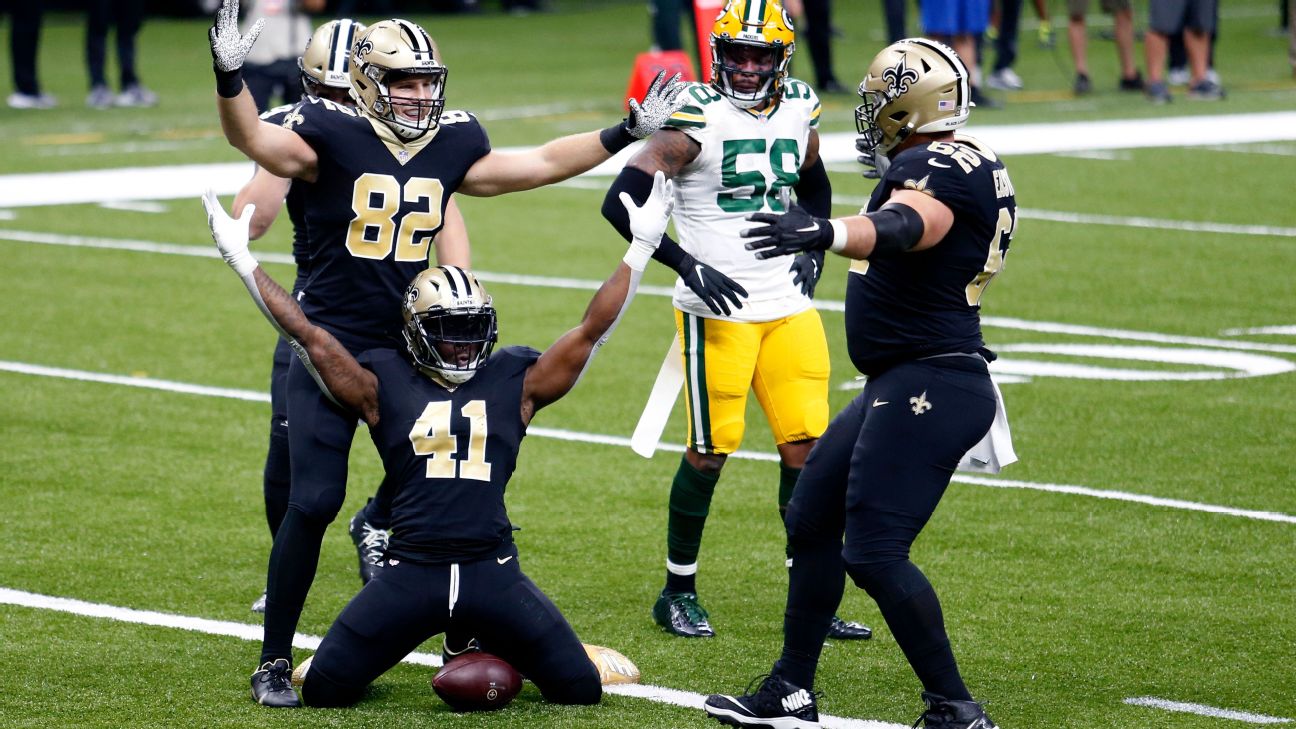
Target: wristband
<point>616,138</point>
<point>243,262</point>
<point>229,83</point>
<point>839,235</point>
<point>638,254</point>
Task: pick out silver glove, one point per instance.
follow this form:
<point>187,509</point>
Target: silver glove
<point>664,98</point>
<point>227,46</point>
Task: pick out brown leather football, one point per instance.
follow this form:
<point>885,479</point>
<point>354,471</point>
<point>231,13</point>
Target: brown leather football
<point>477,682</point>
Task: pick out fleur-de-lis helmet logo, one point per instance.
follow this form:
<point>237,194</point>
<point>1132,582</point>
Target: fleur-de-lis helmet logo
<point>899,77</point>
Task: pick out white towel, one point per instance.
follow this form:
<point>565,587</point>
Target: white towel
<point>995,450</point>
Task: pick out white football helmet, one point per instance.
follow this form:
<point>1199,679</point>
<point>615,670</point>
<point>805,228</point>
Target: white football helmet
<point>450,325</point>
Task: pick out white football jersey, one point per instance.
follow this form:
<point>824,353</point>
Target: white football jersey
<point>748,158</point>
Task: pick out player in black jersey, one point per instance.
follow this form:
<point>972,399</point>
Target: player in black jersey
<point>447,417</point>
<point>325,74</point>
<point>377,180</point>
<point>934,234</point>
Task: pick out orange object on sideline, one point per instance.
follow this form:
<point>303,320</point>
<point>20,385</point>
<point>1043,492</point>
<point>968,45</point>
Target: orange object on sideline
<point>648,65</point>
<point>705,13</point>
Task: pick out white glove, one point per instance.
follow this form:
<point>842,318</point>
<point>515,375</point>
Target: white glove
<point>227,46</point>
<point>648,222</point>
<point>231,235</point>
<point>662,100</point>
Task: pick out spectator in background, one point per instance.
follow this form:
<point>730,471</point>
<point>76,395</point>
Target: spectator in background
<point>127,16</point>
<point>1178,75</point>
<point>958,24</point>
<point>24,39</point>
<point>1123,14</point>
<point>1002,76</point>
<point>894,12</point>
<point>666,15</point>
<point>271,67</point>
<point>1046,39</point>
<point>817,31</point>
<point>1196,19</point>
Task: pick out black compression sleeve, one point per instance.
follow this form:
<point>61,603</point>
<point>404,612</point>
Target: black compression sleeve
<point>814,191</point>
<point>638,184</point>
<point>899,228</point>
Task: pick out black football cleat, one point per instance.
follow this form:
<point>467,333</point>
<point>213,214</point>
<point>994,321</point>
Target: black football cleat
<point>680,613</point>
<point>942,713</point>
<point>848,630</point>
<point>371,546</point>
<point>258,605</point>
<point>272,685</point>
<point>777,704</point>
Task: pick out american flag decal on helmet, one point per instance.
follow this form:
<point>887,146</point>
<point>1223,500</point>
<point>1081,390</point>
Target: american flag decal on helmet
<point>945,105</point>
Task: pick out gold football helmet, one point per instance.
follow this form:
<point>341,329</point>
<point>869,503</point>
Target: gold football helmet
<point>914,86</point>
<point>385,52</point>
<point>747,31</point>
<point>450,325</point>
<point>326,62</point>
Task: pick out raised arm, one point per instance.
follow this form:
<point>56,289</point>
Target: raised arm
<point>281,151</point>
<point>452,240</point>
<point>565,157</point>
<point>332,366</point>
<point>560,367</point>
<point>265,193</point>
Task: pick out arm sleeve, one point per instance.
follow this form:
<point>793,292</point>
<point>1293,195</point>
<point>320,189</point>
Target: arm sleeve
<point>638,184</point>
<point>814,191</point>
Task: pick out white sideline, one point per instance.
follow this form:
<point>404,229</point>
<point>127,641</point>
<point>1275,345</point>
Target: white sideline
<point>247,631</point>
<point>142,246</point>
<point>180,181</point>
<point>1203,710</point>
<point>624,442</point>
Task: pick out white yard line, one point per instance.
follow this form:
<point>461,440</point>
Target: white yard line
<point>250,632</point>
<point>179,181</point>
<point>624,442</point>
<point>1203,710</point>
<point>143,246</point>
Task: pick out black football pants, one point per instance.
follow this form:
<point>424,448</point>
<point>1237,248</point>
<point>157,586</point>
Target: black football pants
<point>874,479</point>
<point>492,599</point>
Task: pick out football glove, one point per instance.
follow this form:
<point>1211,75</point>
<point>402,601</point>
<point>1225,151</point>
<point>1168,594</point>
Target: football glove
<point>806,269</point>
<point>715,289</point>
<point>795,231</point>
<point>648,221</point>
<point>231,235</point>
<point>228,48</point>
<point>875,165</point>
<point>664,98</point>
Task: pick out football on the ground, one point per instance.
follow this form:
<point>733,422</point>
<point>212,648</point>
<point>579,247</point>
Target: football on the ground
<point>477,682</point>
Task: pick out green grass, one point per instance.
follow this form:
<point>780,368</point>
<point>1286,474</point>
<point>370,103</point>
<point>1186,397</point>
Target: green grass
<point>1059,606</point>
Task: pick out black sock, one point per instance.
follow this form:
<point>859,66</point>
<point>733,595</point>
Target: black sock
<point>690,502</point>
<point>787,482</point>
<point>913,614</point>
<point>293,560</point>
<point>815,585</point>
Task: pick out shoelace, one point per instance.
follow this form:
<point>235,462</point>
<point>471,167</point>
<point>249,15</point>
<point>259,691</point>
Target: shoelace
<point>940,712</point>
<point>374,543</point>
<point>277,677</point>
<point>695,612</point>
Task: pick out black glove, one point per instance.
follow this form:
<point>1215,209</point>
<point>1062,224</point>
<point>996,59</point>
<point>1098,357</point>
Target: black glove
<point>869,158</point>
<point>795,231</point>
<point>806,269</point>
<point>710,285</point>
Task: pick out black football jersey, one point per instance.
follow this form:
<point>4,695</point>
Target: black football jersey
<point>295,202</point>
<point>372,212</point>
<point>917,304</point>
<point>449,455</point>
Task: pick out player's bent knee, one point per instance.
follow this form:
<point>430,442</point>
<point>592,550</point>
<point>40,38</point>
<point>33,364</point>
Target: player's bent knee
<point>583,690</point>
<point>321,692</point>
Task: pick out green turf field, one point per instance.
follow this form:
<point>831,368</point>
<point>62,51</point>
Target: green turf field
<point>1146,547</point>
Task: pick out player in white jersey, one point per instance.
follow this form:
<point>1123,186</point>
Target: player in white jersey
<point>737,147</point>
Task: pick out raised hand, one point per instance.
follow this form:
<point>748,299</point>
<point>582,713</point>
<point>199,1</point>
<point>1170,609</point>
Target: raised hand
<point>648,221</point>
<point>795,231</point>
<point>664,98</point>
<point>231,235</point>
<point>228,48</point>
